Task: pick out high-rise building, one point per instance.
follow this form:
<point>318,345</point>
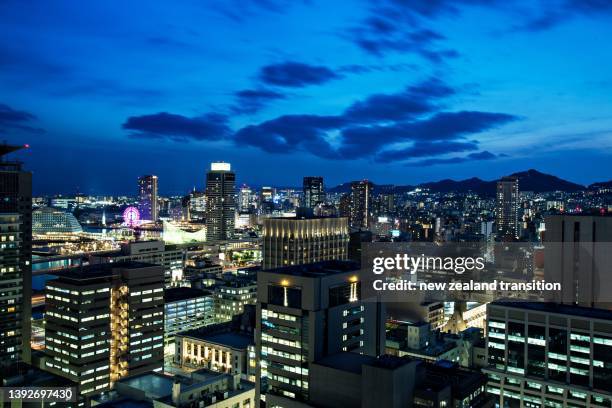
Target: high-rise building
<point>15,260</point>
<point>507,208</point>
<point>147,198</point>
<point>577,254</point>
<point>314,192</point>
<point>361,204</point>
<point>244,200</point>
<point>220,202</point>
<point>298,241</point>
<point>305,313</point>
<point>105,322</point>
<point>546,354</point>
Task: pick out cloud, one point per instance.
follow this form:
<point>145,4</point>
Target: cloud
<point>483,155</point>
<point>296,74</point>
<point>252,100</point>
<point>12,119</point>
<point>426,149</point>
<point>290,133</point>
<point>363,141</point>
<point>210,126</point>
<point>413,101</point>
<point>552,13</point>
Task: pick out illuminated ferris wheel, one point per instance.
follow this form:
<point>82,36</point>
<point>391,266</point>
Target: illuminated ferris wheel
<point>131,217</point>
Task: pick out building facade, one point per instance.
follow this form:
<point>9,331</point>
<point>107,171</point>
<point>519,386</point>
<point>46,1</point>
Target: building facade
<point>186,309</point>
<point>307,312</point>
<point>103,323</point>
<point>297,241</point>
<point>314,192</point>
<point>147,198</point>
<point>220,202</point>
<point>507,208</point>
<point>15,260</point>
<point>546,354</point>
<point>361,204</point>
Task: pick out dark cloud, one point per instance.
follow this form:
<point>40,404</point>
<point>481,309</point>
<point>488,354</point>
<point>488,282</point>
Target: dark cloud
<point>252,100</point>
<point>484,155</point>
<point>426,149</point>
<point>210,126</point>
<point>12,119</point>
<point>296,74</point>
<point>364,141</point>
<point>414,100</point>
<point>290,133</point>
<point>554,13</point>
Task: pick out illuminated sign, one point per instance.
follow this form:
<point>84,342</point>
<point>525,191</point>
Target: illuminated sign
<point>220,166</point>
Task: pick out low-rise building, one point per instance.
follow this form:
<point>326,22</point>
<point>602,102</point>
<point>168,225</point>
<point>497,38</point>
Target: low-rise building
<point>186,309</point>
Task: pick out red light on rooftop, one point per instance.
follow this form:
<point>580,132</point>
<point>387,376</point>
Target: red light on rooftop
<point>27,146</point>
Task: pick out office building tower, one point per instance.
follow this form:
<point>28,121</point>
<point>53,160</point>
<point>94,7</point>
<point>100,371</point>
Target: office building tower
<point>15,260</point>
<point>297,241</point>
<point>507,208</point>
<point>105,322</point>
<point>305,313</point>
<point>244,200</point>
<point>577,254</point>
<point>147,198</point>
<point>220,202</point>
<point>314,192</point>
<point>361,204</point>
<point>546,354</point>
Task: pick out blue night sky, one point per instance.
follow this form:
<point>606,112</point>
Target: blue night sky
<point>396,91</point>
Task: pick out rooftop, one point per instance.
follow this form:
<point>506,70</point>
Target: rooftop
<point>98,271</point>
<point>183,293</point>
<point>154,384</point>
<point>228,339</point>
<point>318,269</point>
<point>546,307</point>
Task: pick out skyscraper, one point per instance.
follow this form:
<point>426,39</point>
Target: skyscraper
<point>15,260</point>
<point>314,192</point>
<point>305,313</point>
<point>298,241</point>
<point>220,202</point>
<point>105,322</point>
<point>507,208</point>
<point>147,198</point>
<point>361,204</point>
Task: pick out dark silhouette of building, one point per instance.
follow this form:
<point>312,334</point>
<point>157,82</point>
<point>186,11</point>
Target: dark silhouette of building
<point>314,192</point>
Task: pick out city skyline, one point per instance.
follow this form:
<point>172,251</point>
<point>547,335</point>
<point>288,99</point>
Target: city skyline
<point>398,93</point>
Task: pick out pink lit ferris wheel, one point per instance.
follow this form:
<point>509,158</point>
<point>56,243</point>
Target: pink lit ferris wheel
<point>131,217</point>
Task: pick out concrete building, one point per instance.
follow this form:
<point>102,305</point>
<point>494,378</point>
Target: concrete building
<point>305,313</point>
<point>578,254</point>
<point>147,198</point>
<point>303,240</point>
<point>170,257</point>
<point>507,207</point>
<point>15,260</point>
<point>186,309</point>
<point>220,202</point>
<point>103,323</point>
<point>546,354</point>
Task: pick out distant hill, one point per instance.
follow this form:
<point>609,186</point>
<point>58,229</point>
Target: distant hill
<point>530,180</point>
<point>601,185</point>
